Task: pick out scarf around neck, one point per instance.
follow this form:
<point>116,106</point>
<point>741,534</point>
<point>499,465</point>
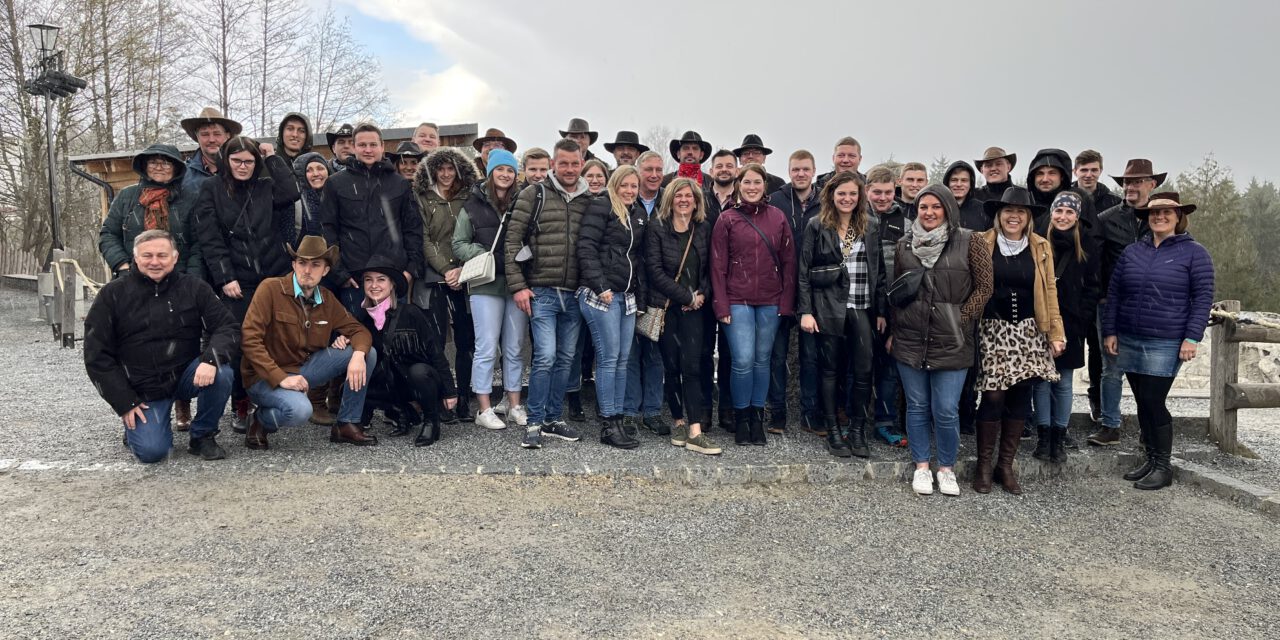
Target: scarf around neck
<point>378,312</point>
<point>155,205</point>
<point>928,245</point>
<point>1010,248</point>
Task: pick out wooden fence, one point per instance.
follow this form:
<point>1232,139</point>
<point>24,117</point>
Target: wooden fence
<point>1227,395</point>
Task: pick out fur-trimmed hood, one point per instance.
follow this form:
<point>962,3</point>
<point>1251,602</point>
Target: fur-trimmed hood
<point>424,181</point>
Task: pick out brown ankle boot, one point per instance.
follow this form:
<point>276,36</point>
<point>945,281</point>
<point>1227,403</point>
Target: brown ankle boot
<point>181,415</point>
<point>347,433</point>
<point>988,434</point>
<point>1010,438</point>
<point>256,437</point>
<point>320,413</point>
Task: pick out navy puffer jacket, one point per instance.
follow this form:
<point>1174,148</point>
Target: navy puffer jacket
<point>1160,292</point>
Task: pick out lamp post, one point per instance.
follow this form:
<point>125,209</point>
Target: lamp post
<point>52,83</point>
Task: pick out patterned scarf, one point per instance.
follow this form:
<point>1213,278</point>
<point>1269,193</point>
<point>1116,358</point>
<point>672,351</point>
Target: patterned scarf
<point>928,245</point>
<point>690,170</point>
<point>155,201</point>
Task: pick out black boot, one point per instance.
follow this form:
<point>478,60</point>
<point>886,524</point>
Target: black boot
<point>1160,439</point>
<point>755,416</point>
<point>741,426</point>
<point>836,445</point>
<point>612,434</point>
<point>856,437</point>
<point>1146,467</point>
<point>1042,444</point>
<point>728,421</point>
<point>1057,445</point>
<point>574,399</point>
<point>428,436</point>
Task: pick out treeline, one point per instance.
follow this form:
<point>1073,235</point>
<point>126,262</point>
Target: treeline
<point>150,63</point>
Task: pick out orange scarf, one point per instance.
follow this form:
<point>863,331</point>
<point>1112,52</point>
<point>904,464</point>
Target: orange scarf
<point>155,200</point>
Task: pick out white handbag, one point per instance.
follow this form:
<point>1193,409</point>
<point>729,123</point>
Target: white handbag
<point>482,269</point>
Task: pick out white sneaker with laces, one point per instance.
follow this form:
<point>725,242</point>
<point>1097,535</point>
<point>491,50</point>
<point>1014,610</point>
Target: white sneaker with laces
<point>503,406</point>
<point>947,483</point>
<point>490,420</point>
<point>519,415</point>
<point>922,482</point>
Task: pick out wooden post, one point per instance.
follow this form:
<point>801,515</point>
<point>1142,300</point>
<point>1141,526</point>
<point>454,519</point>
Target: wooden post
<point>69,284</point>
<point>55,305</point>
<point>1224,369</point>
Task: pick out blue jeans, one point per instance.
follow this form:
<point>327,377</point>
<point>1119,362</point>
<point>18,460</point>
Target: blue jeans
<point>751,331</point>
<point>280,407</point>
<point>497,319</point>
<point>612,333</point>
<point>886,383</point>
<point>1112,386</point>
<point>933,405</point>
<point>1053,401</point>
<point>150,441</point>
<point>644,379</point>
<point>779,375</point>
<point>555,324</point>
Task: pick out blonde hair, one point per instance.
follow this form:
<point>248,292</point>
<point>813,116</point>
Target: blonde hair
<point>829,217</point>
<point>615,200</point>
<point>666,208</point>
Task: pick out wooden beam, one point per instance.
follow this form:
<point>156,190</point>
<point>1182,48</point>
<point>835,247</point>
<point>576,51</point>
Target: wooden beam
<point>1251,333</point>
<point>1224,370</point>
<point>1243,395</point>
<point>69,285</point>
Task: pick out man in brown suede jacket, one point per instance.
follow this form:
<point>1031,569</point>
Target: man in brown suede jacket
<point>286,349</point>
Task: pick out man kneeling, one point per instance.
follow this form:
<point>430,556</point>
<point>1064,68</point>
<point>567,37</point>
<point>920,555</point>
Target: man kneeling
<point>142,350</point>
<point>286,340</point>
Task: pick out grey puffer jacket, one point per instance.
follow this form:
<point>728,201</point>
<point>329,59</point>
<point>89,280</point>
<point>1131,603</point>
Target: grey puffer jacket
<point>554,238</point>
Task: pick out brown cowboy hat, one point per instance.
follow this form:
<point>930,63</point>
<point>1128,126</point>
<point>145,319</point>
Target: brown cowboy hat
<point>625,138</point>
<point>690,137</point>
<point>995,153</point>
<point>752,141</point>
<point>578,125</point>
<point>1165,200</point>
<point>314,247</point>
<point>210,115</point>
<point>1139,168</point>
<point>492,134</point>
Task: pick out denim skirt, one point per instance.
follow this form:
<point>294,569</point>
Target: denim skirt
<point>1149,356</point>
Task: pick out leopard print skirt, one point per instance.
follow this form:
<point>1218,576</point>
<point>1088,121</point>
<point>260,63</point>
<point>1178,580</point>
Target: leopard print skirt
<point>1012,353</point>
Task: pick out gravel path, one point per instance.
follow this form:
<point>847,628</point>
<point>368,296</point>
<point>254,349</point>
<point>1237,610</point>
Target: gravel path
<point>349,556</point>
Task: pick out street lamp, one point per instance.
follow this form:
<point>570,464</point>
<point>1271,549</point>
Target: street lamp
<point>52,83</point>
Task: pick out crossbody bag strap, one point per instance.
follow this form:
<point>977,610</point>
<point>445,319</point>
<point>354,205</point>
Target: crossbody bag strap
<point>501,221</point>
<point>680,269</point>
<point>773,253</point>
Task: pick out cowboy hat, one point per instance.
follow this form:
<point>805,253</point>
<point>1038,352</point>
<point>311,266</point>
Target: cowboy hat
<point>752,141</point>
<point>995,153</point>
<point>627,139</point>
<point>491,135</point>
<point>1165,200</point>
<point>1013,197</point>
<point>690,137</point>
<point>314,248</point>
<point>578,125</point>
<point>407,149</point>
<point>387,266</point>
<point>210,115</point>
<point>1139,168</point>
<point>345,131</point>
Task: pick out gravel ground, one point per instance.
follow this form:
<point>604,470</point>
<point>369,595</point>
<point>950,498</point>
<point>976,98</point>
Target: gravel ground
<point>351,556</point>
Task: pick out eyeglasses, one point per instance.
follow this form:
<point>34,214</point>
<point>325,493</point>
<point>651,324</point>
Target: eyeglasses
<point>157,162</point>
<point>242,163</point>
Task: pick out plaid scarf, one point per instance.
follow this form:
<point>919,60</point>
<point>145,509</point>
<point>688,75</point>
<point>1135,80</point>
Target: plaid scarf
<point>155,202</point>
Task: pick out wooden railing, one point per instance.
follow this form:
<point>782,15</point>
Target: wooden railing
<point>1227,395</point>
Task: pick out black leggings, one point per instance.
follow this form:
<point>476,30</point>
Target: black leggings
<point>681,345</point>
<point>852,349</point>
<point>1013,403</point>
<point>445,307</point>
<point>1150,393</point>
<point>238,308</point>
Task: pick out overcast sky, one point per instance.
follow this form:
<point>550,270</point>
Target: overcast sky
<point>1170,80</point>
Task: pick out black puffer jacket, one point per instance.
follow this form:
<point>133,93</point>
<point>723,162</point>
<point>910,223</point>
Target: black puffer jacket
<point>972,216</point>
<point>1078,292</point>
<point>406,339</point>
<point>140,336</point>
<point>663,250</point>
<point>820,247</point>
<point>611,256</point>
<point>1120,227</point>
<point>367,211</point>
<point>239,222</point>
<point>1102,197</point>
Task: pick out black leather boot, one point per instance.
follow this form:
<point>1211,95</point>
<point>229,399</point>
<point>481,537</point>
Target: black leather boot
<point>741,426</point>
<point>1160,439</point>
<point>1057,445</point>
<point>1147,465</point>
<point>613,434</point>
<point>856,438</point>
<point>574,400</point>
<point>755,417</point>
<point>1042,444</point>
<point>428,432</point>
<point>836,445</point>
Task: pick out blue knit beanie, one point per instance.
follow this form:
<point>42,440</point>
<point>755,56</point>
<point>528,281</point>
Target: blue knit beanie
<point>498,158</point>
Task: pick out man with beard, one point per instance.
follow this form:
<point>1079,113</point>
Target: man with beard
<point>293,137</point>
<point>626,148</point>
<point>690,150</point>
<point>580,132</point>
<point>342,144</point>
<point>210,130</point>
<point>994,165</point>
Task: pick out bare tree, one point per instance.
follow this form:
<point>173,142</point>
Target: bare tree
<point>658,137</point>
<point>219,40</point>
<point>278,31</point>
<point>339,80</point>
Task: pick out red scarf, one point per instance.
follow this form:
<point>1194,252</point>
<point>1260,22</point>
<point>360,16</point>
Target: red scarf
<point>690,170</point>
<point>155,201</point>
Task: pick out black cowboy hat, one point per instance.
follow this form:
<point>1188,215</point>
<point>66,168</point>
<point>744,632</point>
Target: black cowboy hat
<point>752,141</point>
<point>345,131</point>
<point>625,138</point>
<point>407,149</point>
<point>1013,196</point>
<point>578,125</point>
<point>387,266</point>
<point>690,137</point>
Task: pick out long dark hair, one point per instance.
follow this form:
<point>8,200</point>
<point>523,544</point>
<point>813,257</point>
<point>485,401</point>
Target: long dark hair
<point>829,217</point>
<point>236,145</point>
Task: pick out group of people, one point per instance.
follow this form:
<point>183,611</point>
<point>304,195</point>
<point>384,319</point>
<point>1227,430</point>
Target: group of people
<point>303,288</point>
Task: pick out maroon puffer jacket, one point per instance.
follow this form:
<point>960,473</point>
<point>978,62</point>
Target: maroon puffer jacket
<point>742,269</point>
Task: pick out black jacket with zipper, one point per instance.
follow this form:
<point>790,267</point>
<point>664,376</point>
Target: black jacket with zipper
<point>1078,292</point>
<point>663,250</point>
<point>371,210</point>
<point>819,248</point>
<point>239,222</point>
<point>610,255</point>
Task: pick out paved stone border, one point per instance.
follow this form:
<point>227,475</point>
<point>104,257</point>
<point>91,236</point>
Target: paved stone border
<point>1220,485</point>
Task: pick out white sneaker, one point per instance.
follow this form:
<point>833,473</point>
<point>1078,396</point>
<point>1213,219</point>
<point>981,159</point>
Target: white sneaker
<point>503,406</point>
<point>490,420</point>
<point>519,415</point>
<point>947,483</point>
<point>922,482</point>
